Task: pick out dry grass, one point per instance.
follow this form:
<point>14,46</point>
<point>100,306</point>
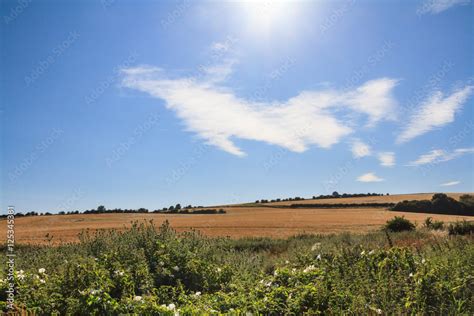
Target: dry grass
<point>237,222</point>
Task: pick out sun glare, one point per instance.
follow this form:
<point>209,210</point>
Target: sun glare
<point>263,17</point>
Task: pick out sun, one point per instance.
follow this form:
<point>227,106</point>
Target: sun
<point>263,17</point>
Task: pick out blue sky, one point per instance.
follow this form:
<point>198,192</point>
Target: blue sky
<point>147,104</point>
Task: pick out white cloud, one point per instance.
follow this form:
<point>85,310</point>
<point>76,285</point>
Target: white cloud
<point>438,155</point>
<point>434,112</point>
<point>387,159</point>
<point>451,183</point>
<point>438,6</point>
<point>216,114</point>
<point>369,177</point>
<point>360,149</point>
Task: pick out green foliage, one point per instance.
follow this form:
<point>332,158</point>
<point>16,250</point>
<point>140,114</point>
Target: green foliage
<point>155,271</point>
<point>433,225</point>
<point>461,228</point>
<point>399,224</point>
<point>440,204</point>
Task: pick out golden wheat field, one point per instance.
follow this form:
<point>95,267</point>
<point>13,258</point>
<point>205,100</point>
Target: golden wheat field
<point>239,221</point>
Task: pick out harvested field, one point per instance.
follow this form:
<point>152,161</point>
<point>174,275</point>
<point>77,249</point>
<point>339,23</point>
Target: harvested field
<point>237,222</point>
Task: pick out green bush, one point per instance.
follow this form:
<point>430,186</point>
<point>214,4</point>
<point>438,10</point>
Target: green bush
<point>461,228</point>
<point>433,225</point>
<point>399,224</point>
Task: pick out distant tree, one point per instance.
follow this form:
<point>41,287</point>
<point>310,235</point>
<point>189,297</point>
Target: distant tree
<point>178,206</point>
<point>101,209</point>
<point>335,194</point>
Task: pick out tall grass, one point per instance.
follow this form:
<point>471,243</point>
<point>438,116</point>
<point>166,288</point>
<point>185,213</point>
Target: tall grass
<point>154,270</point>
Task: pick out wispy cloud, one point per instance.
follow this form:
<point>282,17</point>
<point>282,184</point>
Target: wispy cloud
<point>438,6</point>
<point>439,155</point>
<point>369,177</point>
<point>451,183</point>
<point>360,149</point>
<point>216,114</point>
<point>387,159</point>
<point>434,112</point>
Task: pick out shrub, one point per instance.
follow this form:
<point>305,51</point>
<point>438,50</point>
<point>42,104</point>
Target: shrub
<point>399,224</point>
<point>434,225</point>
<point>461,228</point>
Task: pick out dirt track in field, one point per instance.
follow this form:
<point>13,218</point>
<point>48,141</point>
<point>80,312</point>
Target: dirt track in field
<point>237,222</point>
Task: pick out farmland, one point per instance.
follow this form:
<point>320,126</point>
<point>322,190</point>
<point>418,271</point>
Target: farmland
<point>276,261</point>
<point>239,221</point>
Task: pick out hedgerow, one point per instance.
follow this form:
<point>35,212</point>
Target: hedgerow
<point>149,270</point>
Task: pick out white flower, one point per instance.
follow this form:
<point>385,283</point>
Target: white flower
<point>42,281</point>
<point>371,252</point>
<point>171,307</point>
<point>176,268</point>
<point>268,284</point>
<point>316,246</point>
<point>309,268</point>
<point>293,270</point>
<point>118,272</point>
<point>137,298</point>
<point>378,311</point>
<point>42,270</point>
<point>362,253</point>
<point>318,257</point>
<point>218,269</point>
<point>162,263</point>
<point>410,275</point>
<point>197,294</point>
<point>93,292</point>
<point>275,273</point>
<point>423,260</point>
<point>287,262</point>
<point>20,274</point>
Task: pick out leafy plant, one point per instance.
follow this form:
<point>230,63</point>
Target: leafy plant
<point>399,224</point>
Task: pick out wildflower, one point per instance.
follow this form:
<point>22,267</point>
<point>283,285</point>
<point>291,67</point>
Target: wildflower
<point>362,253</point>
<point>138,298</point>
<point>218,269</point>
<point>423,260</point>
<point>287,262</point>
<point>119,273</point>
<point>176,268</point>
<point>293,270</point>
<point>42,270</point>
<point>94,292</point>
<point>268,284</point>
<point>162,263</point>
<point>21,275</point>
<point>275,273</point>
<point>197,294</point>
<point>410,275</point>
<point>318,257</point>
<point>171,307</point>
<point>316,246</point>
<point>378,311</point>
<point>371,252</point>
<point>309,268</point>
<point>42,281</point>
